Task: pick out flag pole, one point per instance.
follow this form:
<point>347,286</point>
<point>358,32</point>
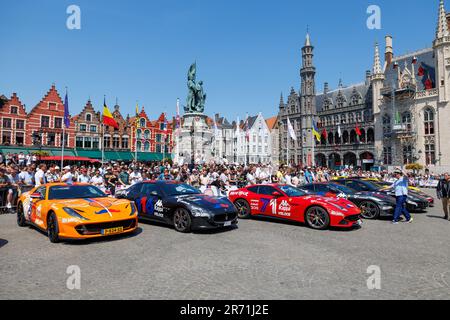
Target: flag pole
<point>103,133</point>
<point>63,143</point>
<point>136,126</point>
<point>178,130</point>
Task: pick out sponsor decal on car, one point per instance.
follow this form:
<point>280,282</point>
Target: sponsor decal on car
<point>239,193</point>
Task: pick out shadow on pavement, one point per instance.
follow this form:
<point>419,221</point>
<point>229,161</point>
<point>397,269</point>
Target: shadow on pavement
<point>436,217</point>
<point>166,226</point>
<point>299,224</point>
<point>3,242</point>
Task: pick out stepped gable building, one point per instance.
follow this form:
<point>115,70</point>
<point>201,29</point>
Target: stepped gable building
<point>88,128</point>
<point>152,136</point>
<point>47,119</point>
<point>13,119</point>
<point>118,139</point>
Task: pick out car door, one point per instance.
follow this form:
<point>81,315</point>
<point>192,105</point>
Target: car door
<point>149,202</point>
<point>273,202</point>
<point>38,208</point>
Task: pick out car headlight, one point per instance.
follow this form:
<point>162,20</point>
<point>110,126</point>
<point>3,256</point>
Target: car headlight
<point>71,212</point>
<point>199,212</point>
<point>133,209</point>
<point>339,207</point>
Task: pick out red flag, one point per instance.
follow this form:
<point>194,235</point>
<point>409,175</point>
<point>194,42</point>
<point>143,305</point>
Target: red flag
<point>358,131</point>
<point>325,134</point>
<point>421,72</point>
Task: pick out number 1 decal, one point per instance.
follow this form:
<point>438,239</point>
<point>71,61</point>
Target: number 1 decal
<point>273,204</point>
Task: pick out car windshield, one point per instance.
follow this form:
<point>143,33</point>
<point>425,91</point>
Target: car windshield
<point>176,189</point>
<point>372,186</point>
<point>292,192</point>
<point>74,192</point>
<point>343,189</point>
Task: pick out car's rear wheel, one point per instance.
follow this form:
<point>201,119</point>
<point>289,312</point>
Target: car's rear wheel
<point>182,220</point>
<point>317,218</point>
<point>52,228</point>
<point>369,210</point>
<point>244,210</point>
<point>20,216</point>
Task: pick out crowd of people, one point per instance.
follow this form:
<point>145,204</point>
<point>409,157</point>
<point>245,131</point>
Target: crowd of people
<point>18,175</point>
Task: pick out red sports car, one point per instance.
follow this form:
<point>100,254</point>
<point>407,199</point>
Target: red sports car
<point>289,203</point>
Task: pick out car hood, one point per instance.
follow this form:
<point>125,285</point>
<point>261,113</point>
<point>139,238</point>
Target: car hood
<point>205,202</point>
<point>325,201</point>
<point>379,195</point>
<point>96,209</point>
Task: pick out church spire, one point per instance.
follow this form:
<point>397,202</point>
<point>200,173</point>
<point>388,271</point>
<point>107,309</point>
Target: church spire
<point>442,27</point>
<point>377,63</point>
<point>281,101</point>
<point>308,40</point>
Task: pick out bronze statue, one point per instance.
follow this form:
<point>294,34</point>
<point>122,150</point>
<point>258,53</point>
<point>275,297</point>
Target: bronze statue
<point>196,97</point>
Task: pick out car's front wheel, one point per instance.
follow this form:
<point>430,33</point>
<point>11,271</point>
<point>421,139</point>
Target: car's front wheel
<point>182,220</point>
<point>52,228</point>
<point>317,218</point>
<point>369,210</point>
<point>21,216</point>
<point>244,210</point>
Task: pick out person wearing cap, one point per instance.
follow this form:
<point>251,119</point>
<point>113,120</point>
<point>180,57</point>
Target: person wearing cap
<point>67,176</point>
<point>400,187</point>
<point>84,177</point>
<point>51,176</point>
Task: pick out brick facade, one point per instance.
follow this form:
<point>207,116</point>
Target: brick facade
<point>13,121</point>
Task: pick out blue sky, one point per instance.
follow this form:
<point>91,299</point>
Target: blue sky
<point>247,51</point>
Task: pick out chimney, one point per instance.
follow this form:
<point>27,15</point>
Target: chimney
<point>325,88</point>
<point>389,54</point>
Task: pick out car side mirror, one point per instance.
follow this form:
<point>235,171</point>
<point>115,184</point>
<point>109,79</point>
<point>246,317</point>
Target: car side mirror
<point>277,194</point>
<point>155,194</point>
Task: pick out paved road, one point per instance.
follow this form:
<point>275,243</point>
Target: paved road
<point>258,260</point>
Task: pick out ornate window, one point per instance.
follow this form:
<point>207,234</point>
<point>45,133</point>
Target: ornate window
<point>327,104</point>
<point>142,123</point>
<point>139,134</point>
<point>430,152</point>
<point>147,134</point>
<point>88,117</point>
<point>341,100</point>
<point>351,117</point>
<point>429,122</point>
<point>387,155</point>
<point>408,154</point>
<point>147,147</point>
<point>406,120</point>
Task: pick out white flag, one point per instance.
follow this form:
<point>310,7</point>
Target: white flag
<point>291,130</point>
<point>339,131</point>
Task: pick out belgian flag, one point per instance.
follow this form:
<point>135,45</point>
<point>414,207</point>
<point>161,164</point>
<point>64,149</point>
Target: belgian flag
<point>108,119</point>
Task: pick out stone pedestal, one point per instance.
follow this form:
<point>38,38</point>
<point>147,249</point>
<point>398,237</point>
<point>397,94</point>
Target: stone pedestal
<point>195,140</point>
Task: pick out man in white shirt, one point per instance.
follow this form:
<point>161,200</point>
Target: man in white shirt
<point>84,177</point>
<point>135,176</point>
<point>67,176</point>
<point>39,177</point>
<point>97,180</point>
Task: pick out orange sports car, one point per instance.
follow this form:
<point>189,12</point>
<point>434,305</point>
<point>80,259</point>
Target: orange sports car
<point>78,211</point>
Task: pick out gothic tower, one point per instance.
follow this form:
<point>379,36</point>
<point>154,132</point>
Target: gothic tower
<point>308,102</point>
<point>441,47</point>
<point>377,84</point>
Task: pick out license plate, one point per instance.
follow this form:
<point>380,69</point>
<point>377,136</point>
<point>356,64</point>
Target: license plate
<point>227,224</point>
<point>108,232</point>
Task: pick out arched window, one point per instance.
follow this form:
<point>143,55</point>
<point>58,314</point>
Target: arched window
<point>362,138</point>
<point>337,139</point>
<point>370,135</point>
<point>353,137</point>
<point>341,100</point>
<point>327,104</point>
<point>351,117</point>
<point>139,134</point>
<point>345,137</point>
<point>142,123</point>
<point>88,117</point>
<point>408,155</point>
<point>139,146</point>
<point>147,147</point>
<point>330,138</point>
<point>406,120</point>
<point>147,134</point>
<point>429,122</point>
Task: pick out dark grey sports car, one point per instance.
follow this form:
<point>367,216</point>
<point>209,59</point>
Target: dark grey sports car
<point>180,205</point>
<point>372,204</point>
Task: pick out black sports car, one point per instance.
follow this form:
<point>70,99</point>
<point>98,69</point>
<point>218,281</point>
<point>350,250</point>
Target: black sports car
<point>180,205</point>
<point>414,203</point>
<point>372,204</point>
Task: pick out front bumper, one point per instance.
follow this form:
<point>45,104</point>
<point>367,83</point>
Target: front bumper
<point>215,222</point>
<point>71,229</point>
<point>351,221</point>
